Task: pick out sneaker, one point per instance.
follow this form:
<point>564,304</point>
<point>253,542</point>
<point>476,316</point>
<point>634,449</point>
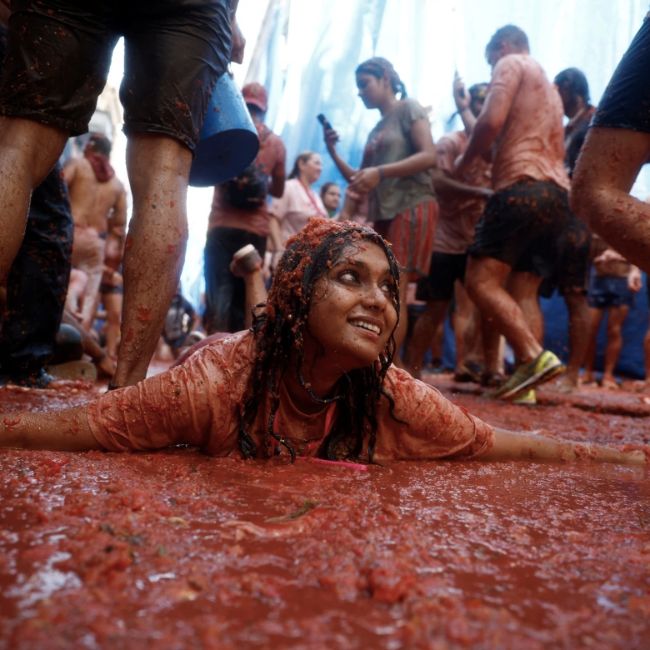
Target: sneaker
<point>529,398</point>
<point>535,372</point>
<point>245,261</point>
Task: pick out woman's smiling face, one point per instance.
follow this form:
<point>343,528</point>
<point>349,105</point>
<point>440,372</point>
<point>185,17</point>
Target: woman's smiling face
<point>352,314</point>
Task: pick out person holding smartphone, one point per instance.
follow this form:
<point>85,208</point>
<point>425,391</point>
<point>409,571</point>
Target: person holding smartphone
<point>394,174</point>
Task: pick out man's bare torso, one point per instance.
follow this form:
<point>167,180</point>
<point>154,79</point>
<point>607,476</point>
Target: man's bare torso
<point>92,202</point>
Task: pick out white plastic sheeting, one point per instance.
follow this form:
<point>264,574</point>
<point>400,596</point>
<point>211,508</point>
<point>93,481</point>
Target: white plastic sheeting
<point>305,53</point>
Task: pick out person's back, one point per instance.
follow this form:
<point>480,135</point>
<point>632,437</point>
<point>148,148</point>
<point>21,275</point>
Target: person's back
<point>531,143</point>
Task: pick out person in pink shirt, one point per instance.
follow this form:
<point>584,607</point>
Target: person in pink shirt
<point>313,377</point>
<point>299,202</point>
<point>516,237</point>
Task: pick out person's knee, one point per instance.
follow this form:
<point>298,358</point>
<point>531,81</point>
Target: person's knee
<point>30,147</point>
<point>477,281</point>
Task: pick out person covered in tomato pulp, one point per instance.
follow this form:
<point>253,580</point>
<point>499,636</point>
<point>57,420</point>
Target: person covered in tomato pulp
<point>312,377</point>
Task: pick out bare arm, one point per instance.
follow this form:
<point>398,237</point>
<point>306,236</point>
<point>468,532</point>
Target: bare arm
<point>66,430</point>
<point>634,280</point>
<point>331,138</point>
<point>276,247</point>
<point>117,222</point>
<point>445,184</point>
<point>70,171</point>
<point>277,179</point>
<point>513,445</point>
<point>486,129</point>
<point>424,158</point>
<point>607,168</point>
<point>461,98</point>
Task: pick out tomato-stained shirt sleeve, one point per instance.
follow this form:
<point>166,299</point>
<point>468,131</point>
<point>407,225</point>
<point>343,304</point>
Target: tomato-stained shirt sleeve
<point>425,425</point>
<point>195,403</point>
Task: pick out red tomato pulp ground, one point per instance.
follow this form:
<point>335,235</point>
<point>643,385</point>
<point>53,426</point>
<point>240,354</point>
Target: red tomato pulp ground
<point>178,550</point>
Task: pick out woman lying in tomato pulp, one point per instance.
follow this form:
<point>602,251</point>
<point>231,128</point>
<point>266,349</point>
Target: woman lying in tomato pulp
<point>313,377</point>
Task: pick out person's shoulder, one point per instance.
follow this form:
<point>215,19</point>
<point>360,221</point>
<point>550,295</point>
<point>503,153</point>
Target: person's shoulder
<point>229,355</point>
<point>118,187</point>
<point>402,386</point>
<point>410,104</point>
<point>511,62</point>
<point>410,110</point>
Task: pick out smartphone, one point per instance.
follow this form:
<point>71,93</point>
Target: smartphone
<point>324,121</point>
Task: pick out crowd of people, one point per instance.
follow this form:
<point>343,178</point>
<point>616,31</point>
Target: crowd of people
<point>324,356</point>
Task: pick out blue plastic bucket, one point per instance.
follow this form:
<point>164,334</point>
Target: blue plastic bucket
<point>228,142</point>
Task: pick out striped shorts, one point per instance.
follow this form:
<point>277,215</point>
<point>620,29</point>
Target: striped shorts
<point>411,234</point>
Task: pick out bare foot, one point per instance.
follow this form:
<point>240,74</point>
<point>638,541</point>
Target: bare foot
<point>609,383</point>
<point>565,384</point>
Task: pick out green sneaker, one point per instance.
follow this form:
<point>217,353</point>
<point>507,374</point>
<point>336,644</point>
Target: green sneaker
<point>529,398</point>
<point>531,374</point>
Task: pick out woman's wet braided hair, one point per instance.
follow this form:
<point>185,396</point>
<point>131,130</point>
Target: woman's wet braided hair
<point>380,67</point>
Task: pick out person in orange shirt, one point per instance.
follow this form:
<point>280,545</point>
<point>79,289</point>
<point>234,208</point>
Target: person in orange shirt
<point>312,377</point>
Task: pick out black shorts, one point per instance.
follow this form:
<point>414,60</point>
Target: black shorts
<point>59,53</point>
<point>521,226</point>
<point>110,289</point>
<point>624,104</point>
<point>609,291</point>
<point>571,273</point>
<point>445,269</point>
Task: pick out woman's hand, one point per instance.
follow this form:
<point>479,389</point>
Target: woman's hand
<point>634,281</point>
<point>365,180</point>
<point>331,137</point>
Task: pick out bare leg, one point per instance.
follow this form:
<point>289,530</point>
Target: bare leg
<point>424,330</point>
<point>596,316</point>
<point>113,306</point>
<point>578,309</point>
<point>155,249</point>
<point>88,257</point>
<point>609,163</point>
<point>467,331</point>
<point>28,151</point>
<point>615,318</point>
<point>76,288</point>
<point>486,277</point>
<point>523,288</point>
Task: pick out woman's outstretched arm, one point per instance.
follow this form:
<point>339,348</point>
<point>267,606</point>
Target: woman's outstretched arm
<point>66,430</point>
<point>510,445</point>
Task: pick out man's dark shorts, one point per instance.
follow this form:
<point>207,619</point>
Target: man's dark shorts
<point>445,269</point>
<point>59,53</point>
<point>625,102</point>
<point>571,274</point>
<point>609,291</point>
<point>521,226</point>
